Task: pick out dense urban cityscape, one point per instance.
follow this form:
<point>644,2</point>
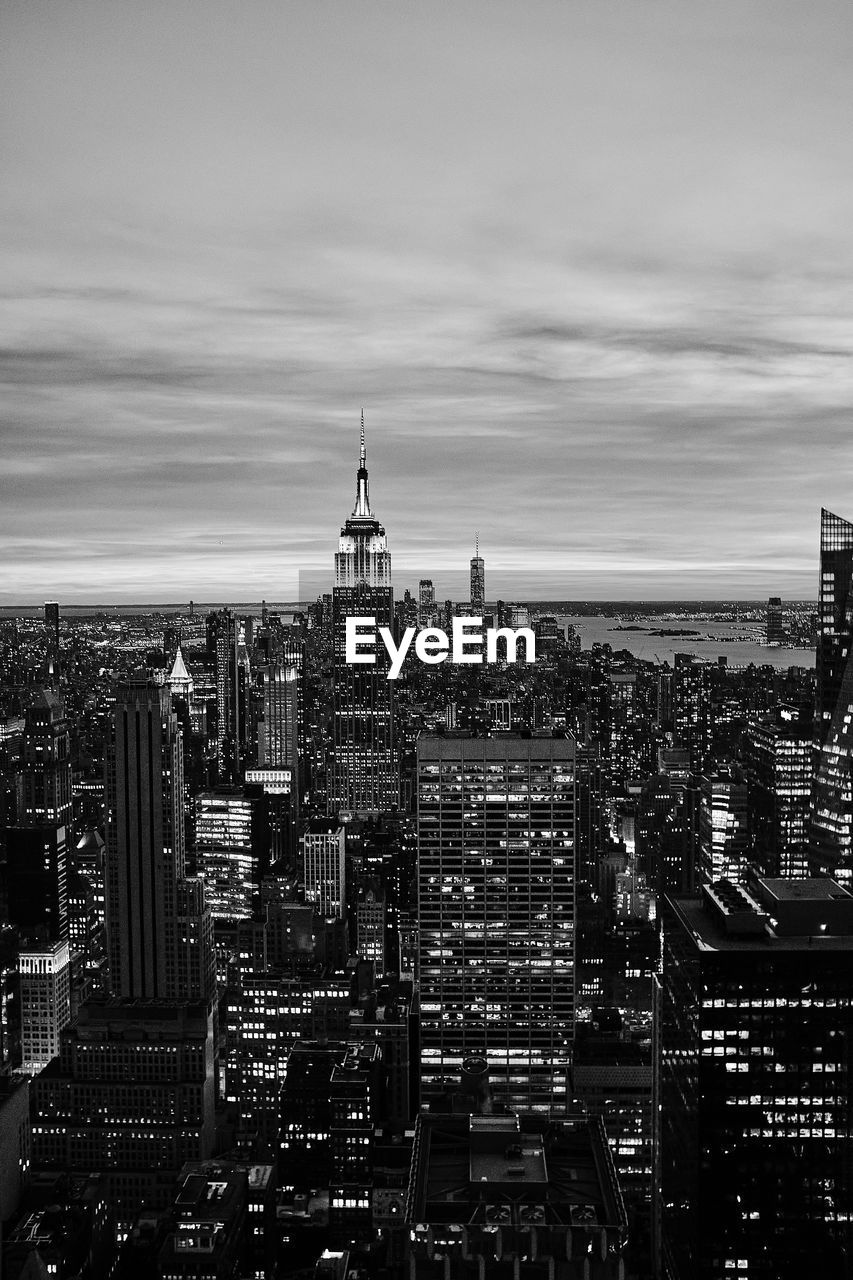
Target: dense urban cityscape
<point>521,969</point>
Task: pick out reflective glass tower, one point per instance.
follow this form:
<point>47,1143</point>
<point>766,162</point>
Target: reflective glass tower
<point>496,913</point>
<point>832,795</point>
<point>362,773</point>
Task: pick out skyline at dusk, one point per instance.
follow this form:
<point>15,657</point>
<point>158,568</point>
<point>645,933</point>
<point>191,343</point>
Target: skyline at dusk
<point>587,270</point>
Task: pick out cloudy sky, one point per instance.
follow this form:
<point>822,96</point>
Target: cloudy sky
<point>586,265</point>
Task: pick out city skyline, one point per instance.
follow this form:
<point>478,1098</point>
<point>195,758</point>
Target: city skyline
<point>582,269</point>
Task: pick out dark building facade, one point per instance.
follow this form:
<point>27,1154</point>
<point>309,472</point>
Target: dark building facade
<point>832,796</point>
<point>753,1082</point>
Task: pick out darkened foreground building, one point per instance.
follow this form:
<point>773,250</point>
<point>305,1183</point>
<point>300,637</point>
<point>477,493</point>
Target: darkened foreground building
<point>513,1196</point>
<point>755,1144</point>
<point>832,796</point>
<point>131,1096</point>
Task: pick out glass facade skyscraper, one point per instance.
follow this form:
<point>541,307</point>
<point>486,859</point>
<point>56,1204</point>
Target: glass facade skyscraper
<point>496,877</point>
<point>832,795</point>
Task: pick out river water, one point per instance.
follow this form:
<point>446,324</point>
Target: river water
<point>737,642</point>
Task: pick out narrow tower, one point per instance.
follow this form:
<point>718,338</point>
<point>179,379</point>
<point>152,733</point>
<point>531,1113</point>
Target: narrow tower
<point>478,580</point>
<point>362,772</point>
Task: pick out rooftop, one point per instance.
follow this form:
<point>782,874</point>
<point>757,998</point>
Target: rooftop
<point>490,1169</point>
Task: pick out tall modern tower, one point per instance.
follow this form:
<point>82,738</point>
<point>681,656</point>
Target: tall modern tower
<point>478,580</point>
<point>832,796</point>
<point>363,770</point>
<point>158,928</point>
<point>496,877</point>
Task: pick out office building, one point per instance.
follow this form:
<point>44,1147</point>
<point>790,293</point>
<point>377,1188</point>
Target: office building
<point>362,768</point>
<point>515,1196</point>
<point>130,1095</point>
<point>775,623</point>
<point>44,775</point>
<point>723,825</point>
<point>324,868</point>
<point>180,681</point>
<point>278,730</point>
<point>426,602</point>
<point>158,929</point>
<point>36,875</point>
<point>753,1082</point>
<point>45,976</point>
<point>832,796</point>
<point>779,765</point>
<point>496,933</point>
<point>233,844</point>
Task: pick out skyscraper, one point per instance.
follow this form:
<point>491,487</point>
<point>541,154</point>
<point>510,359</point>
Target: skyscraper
<point>324,868</point>
<point>44,776</point>
<point>426,601</point>
<point>363,771</point>
<point>723,825</point>
<point>233,843</point>
<point>496,876</point>
<point>278,731</point>
<point>51,626</point>
<point>775,625</point>
<point>478,580</point>
<point>832,795</point>
<point>132,1092</point>
<point>779,754</point>
<point>753,1082</point>
<point>226,646</point>
<point>158,928</point>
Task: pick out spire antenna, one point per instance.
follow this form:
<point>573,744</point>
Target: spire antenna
<point>363,454</point>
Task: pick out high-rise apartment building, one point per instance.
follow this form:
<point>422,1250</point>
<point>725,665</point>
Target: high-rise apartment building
<point>753,1082</point>
<point>832,796</point>
<point>362,768</point>
<point>496,934</point>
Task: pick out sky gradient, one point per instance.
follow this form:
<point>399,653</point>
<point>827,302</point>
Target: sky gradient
<point>588,268</point>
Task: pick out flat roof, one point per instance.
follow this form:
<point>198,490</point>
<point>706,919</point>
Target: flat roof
<point>464,1171</point>
<point>814,889</point>
<point>504,746</point>
<point>709,936</point>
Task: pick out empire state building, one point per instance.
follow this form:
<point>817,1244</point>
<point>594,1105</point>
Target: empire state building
<point>363,767</point>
